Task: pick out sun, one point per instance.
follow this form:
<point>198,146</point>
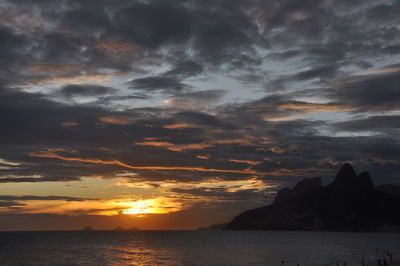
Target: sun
<point>140,207</point>
<point>157,205</point>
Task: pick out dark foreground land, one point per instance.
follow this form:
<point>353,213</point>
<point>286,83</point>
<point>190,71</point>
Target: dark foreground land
<point>350,203</point>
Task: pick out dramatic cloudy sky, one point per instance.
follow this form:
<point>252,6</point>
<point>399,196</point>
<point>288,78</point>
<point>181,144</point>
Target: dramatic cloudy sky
<point>178,114</point>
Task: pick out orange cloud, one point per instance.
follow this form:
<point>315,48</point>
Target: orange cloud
<point>243,142</point>
<point>253,163</point>
<point>117,120</point>
<point>109,207</point>
<point>69,124</point>
<point>116,47</point>
<point>155,143</point>
<point>208,144</point>
<point>313,107</point>
<point>174,147</point>
<point>204,157</point>
<point>278,150</point>
<point>212,183</point>
<point>266,140</point>
<point>57,81</point>
<point>153,138</point>
<point>194,146</point>
<point>47,154</point>
<point>180,126</point>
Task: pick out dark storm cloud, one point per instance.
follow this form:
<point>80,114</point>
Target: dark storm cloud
<point>370,92</point>
<point>86,20</point>
<point>25,198</point>
<point>316,73</point>
<point>185,68</point>
<point>215,33</point>
<point>200,118</point>
<point>12,54</point>
<point>162,83</point>
<point>9,44</point>
<point>58,178</point>
<point>10,204</point>
<point>63,127</point>
<point>384,12</point>
<point>84,90</point>
<point>154,23</point>
<point>226,36</point>
<point>195,99</point>
<point>64,47</point>
<point>206,95</point>
<point>388,124</point>
<point>285,55</point>
<point>221,193</point>
<point>28,118</point>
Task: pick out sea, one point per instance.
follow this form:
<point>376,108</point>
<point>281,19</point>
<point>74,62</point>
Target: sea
<point>200,247</point>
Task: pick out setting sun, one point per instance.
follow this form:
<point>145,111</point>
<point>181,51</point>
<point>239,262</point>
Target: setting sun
<point>158,205</point>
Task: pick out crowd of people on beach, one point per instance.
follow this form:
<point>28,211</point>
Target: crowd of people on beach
<point>385,261</point>
<point>380,262</point>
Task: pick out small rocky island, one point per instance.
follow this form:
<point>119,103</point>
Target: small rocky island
<point>350,203</point>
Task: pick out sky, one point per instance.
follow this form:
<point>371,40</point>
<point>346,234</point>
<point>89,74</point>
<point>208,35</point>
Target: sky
<point>176,114</point>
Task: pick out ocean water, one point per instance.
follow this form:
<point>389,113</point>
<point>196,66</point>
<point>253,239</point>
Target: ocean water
<point>193,247</point>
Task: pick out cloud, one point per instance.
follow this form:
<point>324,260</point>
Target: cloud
<point>46,198</point>
<point>135,167</point>
<point>189,91</point>
<point>69,124</point>
<point>375,92</point>
<point>154,23</point>
<point>387,124</point>
<point>161,83</point>
<point>117,120</point>
<point>70,91</point>
<point>2,161</point>
<point>195,100</point>
<point>86,21</point>
<point>180,126</point>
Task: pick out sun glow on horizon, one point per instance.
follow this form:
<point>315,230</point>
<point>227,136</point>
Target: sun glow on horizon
<point>150,206</point>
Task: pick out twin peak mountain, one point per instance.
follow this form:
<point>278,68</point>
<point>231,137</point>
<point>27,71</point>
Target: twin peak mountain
<point>350,203</point>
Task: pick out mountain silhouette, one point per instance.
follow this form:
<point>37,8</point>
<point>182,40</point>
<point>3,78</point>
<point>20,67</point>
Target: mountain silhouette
<point>303,186</point>
<point>350,203</point>
<point>390,189</point>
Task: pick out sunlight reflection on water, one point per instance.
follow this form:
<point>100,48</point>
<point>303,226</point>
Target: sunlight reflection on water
<point>191,248</point>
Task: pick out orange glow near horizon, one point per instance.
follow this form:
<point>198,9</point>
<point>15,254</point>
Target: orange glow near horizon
<point>156,206</point>
<point>110,207</point>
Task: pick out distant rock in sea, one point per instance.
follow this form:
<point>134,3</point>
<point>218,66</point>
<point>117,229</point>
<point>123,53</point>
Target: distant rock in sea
<point>88,228</point>
<point>350,203</point>
<point>119,228</point>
